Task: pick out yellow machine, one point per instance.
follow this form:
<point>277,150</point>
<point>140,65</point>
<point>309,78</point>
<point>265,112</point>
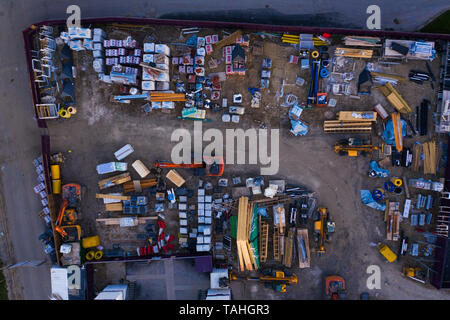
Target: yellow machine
<point>417,274</point>
<point>354,147</point>
<point>387,252</point>
<point>276,279</point>
<point>323,228</point>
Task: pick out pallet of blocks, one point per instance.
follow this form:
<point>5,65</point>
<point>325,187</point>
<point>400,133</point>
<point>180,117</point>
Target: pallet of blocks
<point>336,126</point>
<point>395,98</point>
<point>392,219</point>
<point>429,163</point>
<point>288,247</point>
<point>247,256</point>
<point>304,257</point>
<point>114,181</point>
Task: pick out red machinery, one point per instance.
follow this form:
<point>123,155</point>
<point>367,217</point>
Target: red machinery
<point>335,287</point>
<point>214,165</point>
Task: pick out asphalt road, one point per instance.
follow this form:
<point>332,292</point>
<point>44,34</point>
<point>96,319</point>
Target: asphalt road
<point>19,138</point>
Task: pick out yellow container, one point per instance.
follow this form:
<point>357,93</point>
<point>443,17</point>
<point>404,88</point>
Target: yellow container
<point>90,242</point>
<point>56,172</point>
<point>387,253</point>
<point>56,186</point>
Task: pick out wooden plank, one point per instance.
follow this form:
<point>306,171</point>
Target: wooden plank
<point>397,125</point>
<point>175,178</point>
<point>228,40</point>
<point>353,53</point>
<point>116,221</point>
<point>288,247</point>
<point>304,234</point>
<point>114,206</point>
<point>111,196</point>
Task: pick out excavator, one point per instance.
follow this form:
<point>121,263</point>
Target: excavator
<point>353,147</point>
<point>276,279</point>
<point>213,165</point>
<point>323,229</point>
<point>68,214</point>
<point>65,223</point>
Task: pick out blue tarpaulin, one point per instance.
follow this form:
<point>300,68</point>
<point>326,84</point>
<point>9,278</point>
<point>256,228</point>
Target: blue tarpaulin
<point>298,128</point>
<point>367,199</point>
<point>381,173</point>
<point>388,133</point>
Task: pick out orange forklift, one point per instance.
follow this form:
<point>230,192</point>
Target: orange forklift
<point>323,229</point>
<point>69,213</point>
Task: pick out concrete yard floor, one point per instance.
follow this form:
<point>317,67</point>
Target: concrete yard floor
<point>100,128</point>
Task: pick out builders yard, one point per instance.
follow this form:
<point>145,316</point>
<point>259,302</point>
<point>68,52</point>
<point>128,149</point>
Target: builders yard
<point>101,126</point>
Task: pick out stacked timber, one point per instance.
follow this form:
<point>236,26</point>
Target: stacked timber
<point>167,96</point>
<point>246,255</point>
<point>429,163</point>
<point>417,149</point>
<point>392,219</point>
<point>116,221</point>
<point>358,116</point>
<point>353,53</point>
<point>360,41</point>
<point>114,181</point>
<point>138,185</point>
<point>395,98</point>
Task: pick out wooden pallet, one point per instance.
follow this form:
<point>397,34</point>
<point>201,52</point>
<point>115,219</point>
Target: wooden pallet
<point>114,206</point>
<point>263,239</point>
<point>276,244</point>
<point>111,196</point>
<point>417,149</point>
<point>175,178</point>
<point>303,234</point>
<point>336,126</point>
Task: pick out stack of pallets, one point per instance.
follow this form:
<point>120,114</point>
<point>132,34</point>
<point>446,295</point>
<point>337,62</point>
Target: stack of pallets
<point>351,121</point>
<point>353,53</point>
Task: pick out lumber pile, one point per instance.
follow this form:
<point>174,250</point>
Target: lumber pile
<point>417,149</point>
<point>360,41</point>
<point>429,163</point>
<point>304,257</point>
<point>397,126</point>
<point>357,116</point>
<point>392,219</point>
<point>353,53</point>
<point>114,181</point>
<point>337,126</point>
<point>138,185</point>
<point>288,247</point>
<point>167,96</point>
<point>246,256</point>
<point>395,98</point>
